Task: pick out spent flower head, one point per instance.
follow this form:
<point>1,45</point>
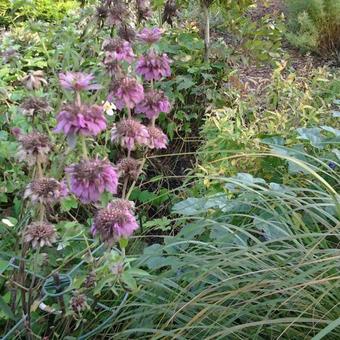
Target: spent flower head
<point>129,168</point>
<point>33,147</point>
<point>35,105</point>
<point>45,191</point>
<point>39,234</point>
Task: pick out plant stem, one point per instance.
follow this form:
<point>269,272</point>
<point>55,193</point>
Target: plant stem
<point>206,31</point>
<point>84,147</point>
<point>134,182</point>
<point>58,290</point>
<point>129,112</point>
<point>78,99</point>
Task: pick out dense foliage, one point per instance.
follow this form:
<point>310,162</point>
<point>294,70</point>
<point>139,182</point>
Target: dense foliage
<point>169,170</point>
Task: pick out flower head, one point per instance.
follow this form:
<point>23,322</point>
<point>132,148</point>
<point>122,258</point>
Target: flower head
<point>34,105</point>
<point>84,120</point>
<point>150,35</point>
<point>115,221</point>
<point>40,234</point>
<point>77,81</point>
<point>143,10</point>
<point>119,50</point>
<point>90,178</point>
<point>130,132</point>
<point>128,93</point>
<point>116,13</point>
<point>79,303</point>
<point>129,167</point>
<point>153,66</point>
<point>33,147</point>
<point>45,191</point>
<point>157,139</point>
<point>34,80</point>
<point>126,32</point>
<point>153,104</point>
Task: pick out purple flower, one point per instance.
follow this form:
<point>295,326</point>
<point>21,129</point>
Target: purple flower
<point>90,178</point>
<point>40,234</point>
<point>153,66</point>
<point>130,132</point>
<point>157,139</point>
<point>150,35</point>
<point>115,221</point>
<point>77,81</point>
<point>153,104</point>
<point>119,50</point>
<point>128,93</point>
<point>84,120</point>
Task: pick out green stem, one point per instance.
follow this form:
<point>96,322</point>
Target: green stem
<point>84,147</point>
<point>134,182</point>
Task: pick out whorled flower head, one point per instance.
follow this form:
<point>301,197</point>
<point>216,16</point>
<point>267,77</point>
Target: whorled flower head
<point>153,66</point>
<point>79,303</point>
<point>45,191</point>
<point>153,104</point>
<point>128,93</point>
<point>34,80</point>
<point>115,221</point>
<point>39,234</point>
<point>170,12</point>
<point>34,105</point>
<point>116,13</point>
<point>129,168</point>
<point>143,10</point>
<point>77,81</point>
<point>85,120</point>
<point>119,50</point>
<point>150,35</point>
<point>90,178</point>
<point>126,32</point>
<point>33,147</point>
<point>157,138</point>
<point>129,132</point>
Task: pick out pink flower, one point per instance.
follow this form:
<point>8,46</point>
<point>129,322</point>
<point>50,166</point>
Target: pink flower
<point>115,221</point>
<point>153,104</point>
<point>128,93</point>
<point>77,81</point>
<point>150,35</point>
<point>130,132</point>
<point>90,178</point>
<point>119,50</point>
<point>153,66</point>
<point>157,139</point>
<point>84,120</point>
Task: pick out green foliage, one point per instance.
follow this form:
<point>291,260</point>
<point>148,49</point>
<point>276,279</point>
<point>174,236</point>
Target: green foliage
<point>47,10</point>
<point>314,24</point>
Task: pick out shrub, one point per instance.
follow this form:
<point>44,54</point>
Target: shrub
<point>314,24</point>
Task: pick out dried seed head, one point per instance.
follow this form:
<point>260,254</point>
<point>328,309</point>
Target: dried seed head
<point>34,80</point>
<point>45,191</point>
<point>129,167</point>
<point>79,303</point>
<point>34,105</point>
<point>90,280</point>
<point>39,234</point>
<point>33,146</point>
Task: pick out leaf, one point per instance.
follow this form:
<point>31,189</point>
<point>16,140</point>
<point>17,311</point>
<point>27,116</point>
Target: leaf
<point>68,203</point>
<point>313,135</point>
<point>129,280</point>
<point>190,206</point>
<point>6,309</point>
<point>184,82</point>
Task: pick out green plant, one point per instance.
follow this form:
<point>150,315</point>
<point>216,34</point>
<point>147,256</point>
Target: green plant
<point>314,24</point>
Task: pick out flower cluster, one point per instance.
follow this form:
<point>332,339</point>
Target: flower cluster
<point>115,221</point>
<point>90,178</point>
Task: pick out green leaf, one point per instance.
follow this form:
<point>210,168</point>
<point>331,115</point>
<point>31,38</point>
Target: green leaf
<point>129,280</point>
<point>69,203</point>
<point>6,309</point>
